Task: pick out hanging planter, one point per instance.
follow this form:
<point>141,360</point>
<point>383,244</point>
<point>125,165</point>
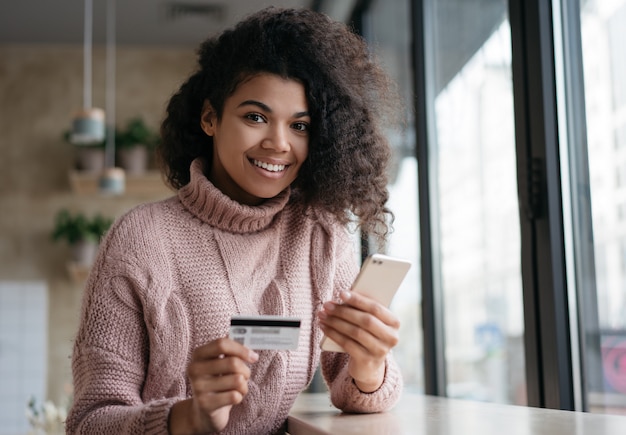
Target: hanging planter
<point>113,179</point>
<point>88,127</point>
<point>87,132</point>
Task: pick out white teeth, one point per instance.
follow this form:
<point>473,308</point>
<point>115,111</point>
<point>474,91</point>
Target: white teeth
<point>269,167</point>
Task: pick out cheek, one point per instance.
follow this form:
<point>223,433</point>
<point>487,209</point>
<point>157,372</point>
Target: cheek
<point>302,152</point>
<point>231,144</point>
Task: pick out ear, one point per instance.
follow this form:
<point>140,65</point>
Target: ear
<point>208,119</point>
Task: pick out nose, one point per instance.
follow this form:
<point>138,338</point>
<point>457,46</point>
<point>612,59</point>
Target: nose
<point>277,139</point>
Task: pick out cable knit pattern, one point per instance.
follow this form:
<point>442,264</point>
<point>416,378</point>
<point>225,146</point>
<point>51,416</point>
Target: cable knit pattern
<point>168,277</point>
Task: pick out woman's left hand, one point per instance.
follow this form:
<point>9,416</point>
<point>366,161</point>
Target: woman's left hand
<point>366,330</point>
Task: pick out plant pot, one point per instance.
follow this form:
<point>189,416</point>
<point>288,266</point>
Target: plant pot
<point>84,252</point>
<point>134,160</point>
<point>89,159</point>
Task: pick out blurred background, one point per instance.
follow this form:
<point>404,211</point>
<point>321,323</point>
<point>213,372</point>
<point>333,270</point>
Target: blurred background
<point>474,321</point>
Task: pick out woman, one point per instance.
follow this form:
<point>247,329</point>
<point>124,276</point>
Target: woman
<point>275,147</point>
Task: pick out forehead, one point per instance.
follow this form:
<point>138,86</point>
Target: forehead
<point>270,88</point>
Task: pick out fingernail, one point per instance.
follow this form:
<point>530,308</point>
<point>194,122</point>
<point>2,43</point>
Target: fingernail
<point>254,357</point>
<point>329,306</point>
<point>322,315</point>
<point>345,295</point>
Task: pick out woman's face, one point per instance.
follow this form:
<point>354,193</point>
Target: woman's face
<point>262,139</point>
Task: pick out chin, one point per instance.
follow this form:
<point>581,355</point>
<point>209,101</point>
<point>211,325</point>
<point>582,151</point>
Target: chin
<point>268,194</point>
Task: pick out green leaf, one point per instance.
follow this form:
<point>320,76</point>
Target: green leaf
<point>74,228</point>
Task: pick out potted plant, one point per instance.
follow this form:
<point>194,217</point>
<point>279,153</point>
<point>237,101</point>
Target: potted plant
<point>134,143</point>
<point>81,233</point>
<point>88,157</point>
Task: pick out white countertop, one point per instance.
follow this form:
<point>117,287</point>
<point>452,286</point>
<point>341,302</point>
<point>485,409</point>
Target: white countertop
<point>427,415</point>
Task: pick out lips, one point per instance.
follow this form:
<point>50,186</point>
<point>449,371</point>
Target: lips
<point>268,166</point>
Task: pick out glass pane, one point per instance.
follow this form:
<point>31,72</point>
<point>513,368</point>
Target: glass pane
<point>473,146</point>
<point>387,29</point>
<point>603,32</point>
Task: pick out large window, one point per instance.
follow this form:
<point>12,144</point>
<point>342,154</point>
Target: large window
<point>601,267</point>
<point>513,169</point>
<point>474,192</point>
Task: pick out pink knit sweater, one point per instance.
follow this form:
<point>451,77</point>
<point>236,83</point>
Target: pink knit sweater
<point>168,278</point>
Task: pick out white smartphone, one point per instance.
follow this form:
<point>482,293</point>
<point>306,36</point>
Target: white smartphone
<point>379,278</point>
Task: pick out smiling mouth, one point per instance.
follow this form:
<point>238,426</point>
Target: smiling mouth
<point>268,166</point>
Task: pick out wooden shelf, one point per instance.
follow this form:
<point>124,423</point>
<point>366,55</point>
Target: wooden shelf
<point>149,183</point>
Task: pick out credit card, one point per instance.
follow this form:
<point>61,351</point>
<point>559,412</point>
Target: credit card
<point>265,332</point>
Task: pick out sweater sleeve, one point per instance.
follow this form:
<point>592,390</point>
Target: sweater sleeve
<point>109,368</point>
<point>344,393</point>
<point>111,357</point>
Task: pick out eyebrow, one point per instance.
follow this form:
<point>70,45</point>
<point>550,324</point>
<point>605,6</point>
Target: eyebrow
<point>266,108</point>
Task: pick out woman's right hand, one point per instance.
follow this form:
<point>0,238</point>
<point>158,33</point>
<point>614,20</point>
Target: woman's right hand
<point>218,374</point>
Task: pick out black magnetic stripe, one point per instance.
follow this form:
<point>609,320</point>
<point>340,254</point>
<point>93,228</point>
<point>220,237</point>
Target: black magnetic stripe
<point>264,322</point>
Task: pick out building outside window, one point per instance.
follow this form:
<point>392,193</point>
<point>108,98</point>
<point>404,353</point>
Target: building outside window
<point>603,32</point>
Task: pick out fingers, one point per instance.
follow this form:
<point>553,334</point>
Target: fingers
<point>221,391</point>
<point>366,330</point>
<point>219,373</point>
<point>214,362</point>
<point>224,346</point>
<point>369,305</point>
<point>357,342</point>
<point>360,324</point>
<point>219,366</point>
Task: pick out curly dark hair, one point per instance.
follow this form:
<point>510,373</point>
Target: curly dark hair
<point>350,99</point>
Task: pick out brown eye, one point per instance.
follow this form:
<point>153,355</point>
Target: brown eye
<point>301,126</point>
<point>255,117</point>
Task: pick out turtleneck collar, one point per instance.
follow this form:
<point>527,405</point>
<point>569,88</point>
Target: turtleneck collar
<point>210,205</point>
